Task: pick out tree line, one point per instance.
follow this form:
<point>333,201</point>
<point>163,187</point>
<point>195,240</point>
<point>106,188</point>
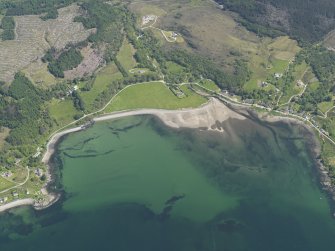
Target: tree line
<point>8,27</point>
<point>306,21</point>
<point>35,7</point>
<point>322,62</point>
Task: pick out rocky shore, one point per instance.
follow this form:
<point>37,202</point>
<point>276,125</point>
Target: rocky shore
<point>314,147</point>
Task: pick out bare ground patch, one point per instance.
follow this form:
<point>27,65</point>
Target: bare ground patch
<point>38,73</point>
<point>35,36</point>
<point>93,59</point>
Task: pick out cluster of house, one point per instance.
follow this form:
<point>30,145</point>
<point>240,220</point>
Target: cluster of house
<point>147,19</point>
<point>276,76</point>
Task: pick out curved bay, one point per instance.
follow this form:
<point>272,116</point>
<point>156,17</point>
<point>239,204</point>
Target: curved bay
<point>134,184</point>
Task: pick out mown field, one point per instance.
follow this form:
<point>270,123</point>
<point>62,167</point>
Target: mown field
<point>153,95</point>
<point>62,111</point>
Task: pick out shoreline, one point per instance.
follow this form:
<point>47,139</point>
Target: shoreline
<point>205,116</point>
<point>17,203</point>
<point>314,146</point>
<point>188,117</point>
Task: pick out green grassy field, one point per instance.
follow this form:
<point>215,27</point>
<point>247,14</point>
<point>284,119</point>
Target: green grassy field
<point>62,111</point>
<point>4,184</point>
<point>103,79</point>
<point>174,68</point>
<point>39,74</point>
<point>271,56</point>
<point>169,35</point>
<point>209,84</point>
<point>153,95</point>
<point>328,152</point>
<point>313,86</point>
<point>126,55</point>
<point>325,106</point>
<point>294,89</point>
<point>4,132</point>
<point>284,48</point>
<point>263,69</point>
<point>300,71</point>
<point>278,66</point>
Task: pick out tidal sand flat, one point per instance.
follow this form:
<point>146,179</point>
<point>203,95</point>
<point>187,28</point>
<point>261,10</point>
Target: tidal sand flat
<point>136,184</point>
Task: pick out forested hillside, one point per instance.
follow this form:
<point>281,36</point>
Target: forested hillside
<point>18,8</point>
<point>305,20</point>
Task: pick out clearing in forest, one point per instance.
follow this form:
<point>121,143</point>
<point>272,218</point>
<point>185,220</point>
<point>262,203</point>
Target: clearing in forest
<point>35,37</point>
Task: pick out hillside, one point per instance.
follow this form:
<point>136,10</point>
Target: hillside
<point>307,21</point>
<point>34,36</point>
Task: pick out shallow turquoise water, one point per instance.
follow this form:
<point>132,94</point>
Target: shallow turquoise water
<point>133,184</point>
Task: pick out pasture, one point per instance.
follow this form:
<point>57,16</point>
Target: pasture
<point>153,95</point>
<point>126,56</point>
<point>103,78</point>
<point>62,111</point>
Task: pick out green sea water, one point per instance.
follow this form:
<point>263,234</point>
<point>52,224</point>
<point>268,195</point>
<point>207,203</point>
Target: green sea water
<point>133,184</point>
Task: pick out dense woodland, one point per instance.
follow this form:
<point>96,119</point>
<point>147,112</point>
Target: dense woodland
<point>22,110</point>
<point>58,63</point>
<point>8,26</point>
<point>200,67</point>
<point>305,20</point>
<point>34,7</point>
<point>109,21</point>
<point>322,62</point>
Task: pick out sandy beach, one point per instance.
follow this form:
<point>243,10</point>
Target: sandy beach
<point>205,116</point>
<point>208,116</point>
<point>52,142</point>
<point>17,203</point>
